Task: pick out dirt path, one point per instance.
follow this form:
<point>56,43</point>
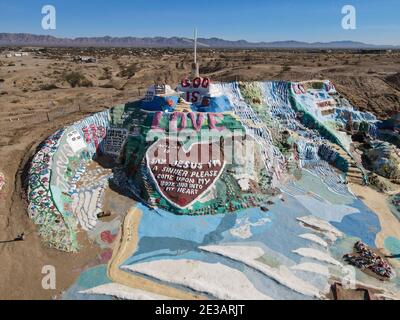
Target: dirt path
<point>126,245</point>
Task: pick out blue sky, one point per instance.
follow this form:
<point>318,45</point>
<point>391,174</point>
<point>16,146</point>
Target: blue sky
<point>378,21</point>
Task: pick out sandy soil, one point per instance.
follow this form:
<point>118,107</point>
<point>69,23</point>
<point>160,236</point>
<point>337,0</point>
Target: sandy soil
<point>377,202</point>
<point>36,99</point>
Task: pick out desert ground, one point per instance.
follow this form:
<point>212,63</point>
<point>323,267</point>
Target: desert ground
<point>48,89</point>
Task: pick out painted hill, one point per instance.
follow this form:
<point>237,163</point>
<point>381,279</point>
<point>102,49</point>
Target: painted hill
<point>233,160</point>
<point>26,39</point>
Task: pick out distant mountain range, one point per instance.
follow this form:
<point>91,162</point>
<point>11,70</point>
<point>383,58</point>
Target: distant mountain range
<point>26,39</point>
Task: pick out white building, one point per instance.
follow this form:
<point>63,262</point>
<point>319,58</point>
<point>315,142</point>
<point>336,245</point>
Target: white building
<point>85,59</point>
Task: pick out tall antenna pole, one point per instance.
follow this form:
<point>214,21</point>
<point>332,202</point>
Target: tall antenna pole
<point>195,45</point>
<point>195,66</point>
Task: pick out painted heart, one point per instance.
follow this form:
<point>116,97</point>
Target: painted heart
<point>183,176</point>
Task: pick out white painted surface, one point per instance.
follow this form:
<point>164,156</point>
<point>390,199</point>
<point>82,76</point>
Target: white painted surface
<point>283,275</point>
<point>216,279</point>
<point>123,292</point>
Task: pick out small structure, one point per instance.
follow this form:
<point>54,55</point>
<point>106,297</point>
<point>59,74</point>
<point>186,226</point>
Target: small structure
<point>85,59</point>
<point>16,54</point>
<point>160,96</point>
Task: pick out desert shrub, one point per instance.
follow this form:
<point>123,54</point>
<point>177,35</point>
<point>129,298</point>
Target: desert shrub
<point>317,85</point>
<point>86,83</point>
<point>286,68</point>
<point>129,71</point>
<point>107,74</point>
<point>75,79</point>
<point>108,85</point>
<point>212,67</point>
<point>49,86</point>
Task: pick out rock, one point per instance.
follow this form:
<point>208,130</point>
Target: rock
<point>383,159</point>
<point>117,84</point>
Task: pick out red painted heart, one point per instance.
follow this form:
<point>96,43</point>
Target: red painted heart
<point>183,176</point>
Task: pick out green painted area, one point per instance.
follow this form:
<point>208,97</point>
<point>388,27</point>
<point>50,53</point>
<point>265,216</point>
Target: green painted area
<point>251,92</point>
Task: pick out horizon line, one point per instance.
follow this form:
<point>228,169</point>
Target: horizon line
<point>73,38</point>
